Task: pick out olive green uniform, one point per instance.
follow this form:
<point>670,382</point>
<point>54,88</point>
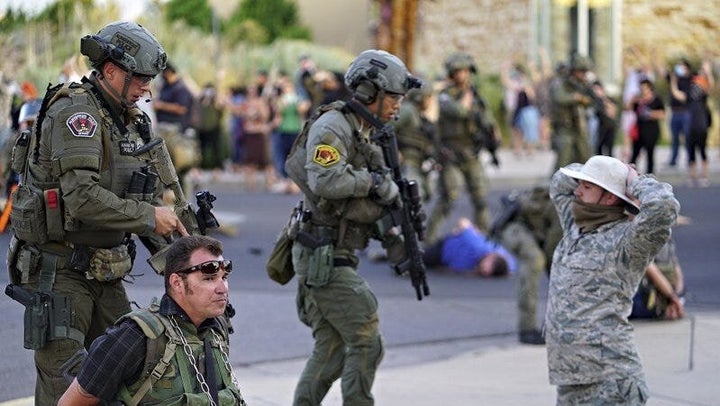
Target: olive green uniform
<point>332,298</point>
<point>531,235</point>
<point>416,144</point>
<point>83,153</point>
<point>570,138</point>
<point>458,129</point>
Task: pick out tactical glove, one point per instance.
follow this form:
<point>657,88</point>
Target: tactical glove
<point>384,190</point>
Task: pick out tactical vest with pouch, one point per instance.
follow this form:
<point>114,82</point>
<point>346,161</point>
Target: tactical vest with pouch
<point>352,220</point>
<point>168,376</point>
<point>38,213</point>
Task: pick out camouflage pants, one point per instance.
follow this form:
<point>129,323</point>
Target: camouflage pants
<point>473,174</point>
<point>570,146</point>
<point>348,345</point>
<point>627,391</point>
<point>531,263</point>
<point>94,306</point>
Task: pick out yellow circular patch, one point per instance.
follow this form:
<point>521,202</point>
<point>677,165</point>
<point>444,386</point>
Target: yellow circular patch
<point>326,155</point>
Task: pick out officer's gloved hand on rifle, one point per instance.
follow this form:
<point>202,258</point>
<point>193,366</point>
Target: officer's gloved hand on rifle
<point>384,190</point>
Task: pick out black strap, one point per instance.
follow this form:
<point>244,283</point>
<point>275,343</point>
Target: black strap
<point>210,373</point>
<point>341,261</point>
<point>357,108</point>
<point>106,105</point>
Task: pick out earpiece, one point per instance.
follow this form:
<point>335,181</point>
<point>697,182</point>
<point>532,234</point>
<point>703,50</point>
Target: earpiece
<point>366,91</point>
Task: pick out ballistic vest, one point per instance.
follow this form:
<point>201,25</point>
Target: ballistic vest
<point>80,132</point>
<point>168,376</point>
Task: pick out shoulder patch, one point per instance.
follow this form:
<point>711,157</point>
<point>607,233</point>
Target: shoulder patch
<point>326,155</point>
<point>82,124</point>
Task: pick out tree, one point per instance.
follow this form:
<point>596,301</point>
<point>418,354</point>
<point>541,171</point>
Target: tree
<point>278,18</point>
<point>195,13</point>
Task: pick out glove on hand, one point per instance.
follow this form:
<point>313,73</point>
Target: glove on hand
<point>384,189</point>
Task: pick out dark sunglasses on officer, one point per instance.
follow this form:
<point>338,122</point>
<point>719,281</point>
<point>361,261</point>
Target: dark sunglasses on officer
<point>210,267</point>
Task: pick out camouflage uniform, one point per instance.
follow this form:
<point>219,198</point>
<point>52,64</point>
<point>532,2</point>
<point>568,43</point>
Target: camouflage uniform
<point>458,130</point>
<point>594,277</point>
<point>570,138</point>
<point>416,141</point>
<point>85,157</point>
<point>531,235</point>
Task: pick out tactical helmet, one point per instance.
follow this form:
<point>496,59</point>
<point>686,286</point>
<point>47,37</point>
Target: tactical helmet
<point>580,63</point>
<point>128,45</point>
<point>459,61</point>
<point>374,70</point>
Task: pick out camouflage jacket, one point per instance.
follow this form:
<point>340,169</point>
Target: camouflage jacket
<point>593,279</point>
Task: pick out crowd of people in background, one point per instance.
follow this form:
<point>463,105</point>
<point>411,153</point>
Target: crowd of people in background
<point>250,127</point>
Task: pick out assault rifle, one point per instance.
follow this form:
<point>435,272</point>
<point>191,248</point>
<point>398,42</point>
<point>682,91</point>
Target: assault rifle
<point>195,222</point>
<point>410,216</point>
<point>596,102</point>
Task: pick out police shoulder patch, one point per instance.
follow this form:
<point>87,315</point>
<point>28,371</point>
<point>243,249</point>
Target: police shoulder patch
<point>82,124</point>
<point>326,155</point>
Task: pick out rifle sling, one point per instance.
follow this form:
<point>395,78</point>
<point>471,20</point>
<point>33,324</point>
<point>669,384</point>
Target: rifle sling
<point>364,113</point>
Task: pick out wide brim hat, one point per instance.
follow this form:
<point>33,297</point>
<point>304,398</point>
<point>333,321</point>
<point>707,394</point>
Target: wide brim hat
<point>607,172</point>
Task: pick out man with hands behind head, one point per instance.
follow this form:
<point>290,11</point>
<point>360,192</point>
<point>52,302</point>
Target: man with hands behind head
<point>596,269</point>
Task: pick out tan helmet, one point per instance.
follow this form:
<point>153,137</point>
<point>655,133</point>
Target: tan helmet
<point>374,70</point>
<point>459,60</point>
<point>128,45</point>
<point>607,172</point>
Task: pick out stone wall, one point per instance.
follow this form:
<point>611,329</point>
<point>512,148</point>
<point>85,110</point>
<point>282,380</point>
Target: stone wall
<point>494,31</point>
<point>490,30</point>
<point>672,27</point>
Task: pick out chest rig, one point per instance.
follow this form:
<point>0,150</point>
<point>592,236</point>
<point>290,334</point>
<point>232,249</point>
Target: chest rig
<point>173,352</point>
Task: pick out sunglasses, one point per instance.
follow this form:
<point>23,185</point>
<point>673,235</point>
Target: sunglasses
<point>143,79</point>
<point>395,97</point>
<point>210,267</point>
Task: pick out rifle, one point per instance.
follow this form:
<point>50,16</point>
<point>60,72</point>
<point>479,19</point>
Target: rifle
<point>410,216</point>
<point>195,222</point>
<point>597,102</point>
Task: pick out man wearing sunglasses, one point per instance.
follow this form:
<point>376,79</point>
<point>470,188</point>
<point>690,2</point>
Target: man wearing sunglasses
<point>75,210</point>
<point>175,350</point>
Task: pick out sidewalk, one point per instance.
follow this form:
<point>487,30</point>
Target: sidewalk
<point>516,375</point>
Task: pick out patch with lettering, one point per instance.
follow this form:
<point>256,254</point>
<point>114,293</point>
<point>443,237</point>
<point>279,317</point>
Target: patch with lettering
<point>127,147</point>
<point>82,125</point>
<point>326,155</point>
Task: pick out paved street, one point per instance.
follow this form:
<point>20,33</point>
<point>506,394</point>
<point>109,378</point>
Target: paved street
<point>464,326</point>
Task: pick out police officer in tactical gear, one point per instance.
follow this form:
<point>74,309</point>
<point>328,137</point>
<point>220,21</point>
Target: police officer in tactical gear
<point>348,189</point>
<point>72,216</point>
<point>464,119</point>
<point>570,99</point>
<point>417,138</point>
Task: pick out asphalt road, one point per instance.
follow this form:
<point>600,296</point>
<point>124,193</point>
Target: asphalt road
<point>460,312</point>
